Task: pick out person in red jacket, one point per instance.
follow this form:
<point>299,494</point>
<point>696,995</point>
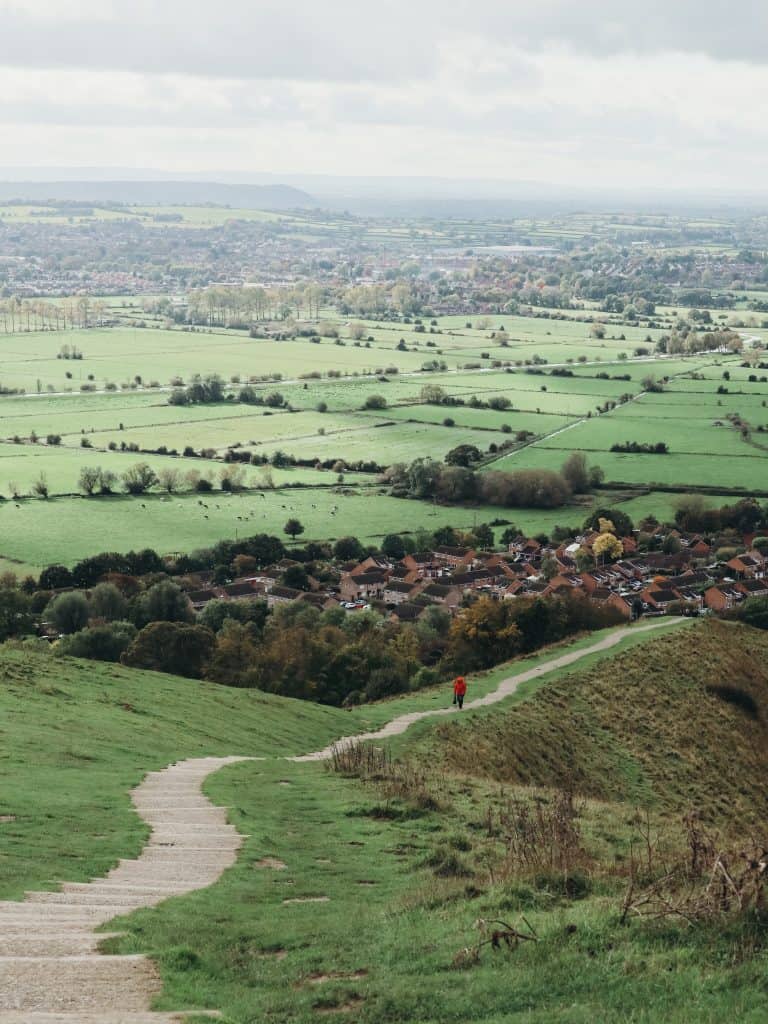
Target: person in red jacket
<point>459,691</point>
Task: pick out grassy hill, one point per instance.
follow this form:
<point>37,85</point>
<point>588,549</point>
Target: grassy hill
<point>387,870</point>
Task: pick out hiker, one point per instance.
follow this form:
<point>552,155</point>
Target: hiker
<point>459,691</point>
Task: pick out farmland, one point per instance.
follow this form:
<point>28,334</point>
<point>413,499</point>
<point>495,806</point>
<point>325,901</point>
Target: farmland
<point>123,420</point>
<point>347,372</point>
<point>557,414</point>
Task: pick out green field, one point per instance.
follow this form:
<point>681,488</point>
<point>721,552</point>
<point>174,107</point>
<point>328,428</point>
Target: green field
<point>559,413</point>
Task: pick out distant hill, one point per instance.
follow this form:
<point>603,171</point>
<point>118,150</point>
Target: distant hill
<point>162,193</point>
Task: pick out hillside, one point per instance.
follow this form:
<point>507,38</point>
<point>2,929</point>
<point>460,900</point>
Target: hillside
<point>428,843</point>
<point>681,722</point>
<point>76,736</point>
<point>424,842</point>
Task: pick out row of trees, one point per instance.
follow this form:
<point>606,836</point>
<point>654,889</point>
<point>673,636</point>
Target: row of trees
<point>302,652</point>
<point>21,314</point>
<point>459,482</point>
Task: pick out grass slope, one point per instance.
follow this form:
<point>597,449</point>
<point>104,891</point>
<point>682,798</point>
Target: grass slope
<point>402,882</point>
<point>682,725</point>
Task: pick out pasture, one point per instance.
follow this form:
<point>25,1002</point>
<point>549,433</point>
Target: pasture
<point>324,418</point>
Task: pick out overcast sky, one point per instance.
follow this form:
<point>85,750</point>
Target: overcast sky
<point>591,92</point>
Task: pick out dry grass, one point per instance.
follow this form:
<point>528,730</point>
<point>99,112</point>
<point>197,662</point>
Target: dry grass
<point>681,722</point>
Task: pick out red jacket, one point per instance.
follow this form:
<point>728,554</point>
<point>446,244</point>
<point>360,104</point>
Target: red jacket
<point>460,686</point>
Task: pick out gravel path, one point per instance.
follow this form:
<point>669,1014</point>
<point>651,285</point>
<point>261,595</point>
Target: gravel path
<point>50,970</point>
<point>505,688</point>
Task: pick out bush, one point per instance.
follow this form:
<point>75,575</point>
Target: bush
<point>99,643</point>
<point>68,613</point>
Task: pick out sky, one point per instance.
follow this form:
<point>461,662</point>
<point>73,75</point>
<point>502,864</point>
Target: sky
<point>588,93</point>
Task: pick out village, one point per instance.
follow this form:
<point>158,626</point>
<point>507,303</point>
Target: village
<point>689,580</point>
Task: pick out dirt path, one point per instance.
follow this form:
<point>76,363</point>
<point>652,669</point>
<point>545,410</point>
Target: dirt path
<point>50,970</point>
<point>505,688</point>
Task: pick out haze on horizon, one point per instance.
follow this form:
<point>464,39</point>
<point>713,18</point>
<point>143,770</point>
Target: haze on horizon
<point>599,94</point>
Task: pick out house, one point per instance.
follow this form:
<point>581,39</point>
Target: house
<point>658,598</point>
<point>753,588</point>
<point>747,567</point>
<point>604,596</point>
<point>398,591</point>
<point>265,578</point>
<point>722,597</point>
<point>423,565</point>
<point>242,590</point>
<point>407,611</point>
<point>366,586</point>
<point>449,596</point>
<point>525,547</point>
<point>565,581</point>
<point>282,595</point>
<point>453,556</point>
<point>371,564</point>
<point>200,598</point>
<point>320,601</point>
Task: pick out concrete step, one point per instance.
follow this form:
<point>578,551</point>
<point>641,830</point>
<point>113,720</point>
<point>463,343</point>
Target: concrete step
<point>78,983</point>
<point>22,942</point>
<point>129,888</point>
<point>117,1017</point>
<point>88,899</point>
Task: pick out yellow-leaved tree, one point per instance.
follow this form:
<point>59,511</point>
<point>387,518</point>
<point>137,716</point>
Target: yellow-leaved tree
<point>607,547</point>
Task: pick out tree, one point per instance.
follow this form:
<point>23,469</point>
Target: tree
<point>433,394</point>
<point>168,478</point>
<point>40,486</point>
<point>139,478</point>
<point>89,478</point>
<point>248,613</point>
<point>106,602</point>
<point>164,602</point>
<point>68,613</point>
<point>482,635</point>
<point>100,643</point>
<point>176,647</point>
<point>293,528</point>
<point>393,547</point>
<point>575,472</point>
<point>549,567</point>
<point>509,534</point>
<point>754,611</point>
<point>375,402</point>
<point>232,660</point>
<point>483,535</point>
<point>463,455</point>
<point>607,547</point>
<point>348,549</point>
<point>623,525</point>
<point>15,613</point>
<point>55,577</point>
<point>296,577</point>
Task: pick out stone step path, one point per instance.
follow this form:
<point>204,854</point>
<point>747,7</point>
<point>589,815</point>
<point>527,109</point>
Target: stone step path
<point>50,968</point>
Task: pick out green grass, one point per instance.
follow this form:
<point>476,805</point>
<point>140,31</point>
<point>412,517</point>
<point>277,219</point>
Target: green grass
<point>239,948</point>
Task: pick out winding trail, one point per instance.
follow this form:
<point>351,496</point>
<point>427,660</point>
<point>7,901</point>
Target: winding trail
<point>505,689</point>
<point>50,969</point>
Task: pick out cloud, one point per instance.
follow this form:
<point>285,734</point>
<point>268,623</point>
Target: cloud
<point>598,91</point>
